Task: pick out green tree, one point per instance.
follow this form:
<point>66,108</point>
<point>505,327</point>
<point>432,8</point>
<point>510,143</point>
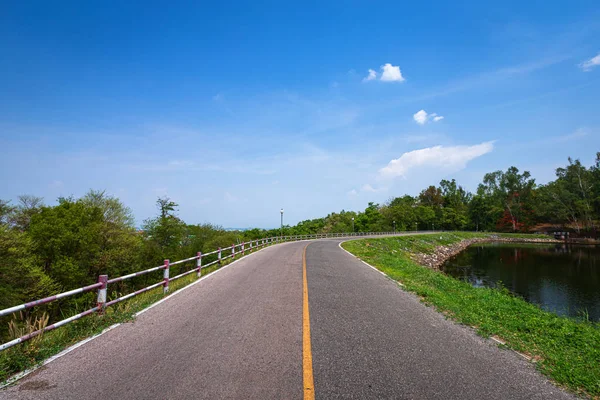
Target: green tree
<point>371,220</point>
<point>77,240</point>
<point>165,233</point>
<point>28,206</point>
<point>512,191</point>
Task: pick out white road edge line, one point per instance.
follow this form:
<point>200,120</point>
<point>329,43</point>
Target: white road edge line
<point>366,263</point>
<point>69,349</point>
<point>526,357</point>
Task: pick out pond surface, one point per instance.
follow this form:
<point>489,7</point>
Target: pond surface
<point>564,279</point>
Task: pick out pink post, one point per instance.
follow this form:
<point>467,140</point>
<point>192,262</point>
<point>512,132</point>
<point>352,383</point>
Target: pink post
<point>199,263</point>
<point>101,299</point>
<point>166,278</point>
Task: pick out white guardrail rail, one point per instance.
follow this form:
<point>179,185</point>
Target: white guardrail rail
<point>103,281</point>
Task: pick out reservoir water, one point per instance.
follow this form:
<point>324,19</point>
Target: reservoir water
<point>562,278</point>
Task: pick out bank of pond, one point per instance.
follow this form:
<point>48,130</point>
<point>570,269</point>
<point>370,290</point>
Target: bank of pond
<point>561,278</point>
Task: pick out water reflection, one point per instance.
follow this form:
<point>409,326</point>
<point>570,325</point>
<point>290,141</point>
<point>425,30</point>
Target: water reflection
<point>561,278</point>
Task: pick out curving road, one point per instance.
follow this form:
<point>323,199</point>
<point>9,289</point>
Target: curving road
<point>238,334</point>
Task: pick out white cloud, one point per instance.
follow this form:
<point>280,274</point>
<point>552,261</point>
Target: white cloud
<point>421,117</point>
<point>372,76</point>
<point>451,159</point>
<point>368,188</point>
<point>391,73</point>
<point>578,134</point>
<point>352,193</point>
<point>591,63</point>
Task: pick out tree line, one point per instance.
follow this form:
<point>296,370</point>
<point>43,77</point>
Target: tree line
<point>46,249</point>
<point>505,201</point>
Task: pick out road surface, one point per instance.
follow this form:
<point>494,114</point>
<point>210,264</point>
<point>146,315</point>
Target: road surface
<point>241,333</point>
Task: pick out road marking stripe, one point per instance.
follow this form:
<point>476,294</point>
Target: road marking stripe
<point>309,386</point>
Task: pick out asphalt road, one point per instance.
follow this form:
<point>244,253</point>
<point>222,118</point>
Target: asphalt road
<point>238,334</point>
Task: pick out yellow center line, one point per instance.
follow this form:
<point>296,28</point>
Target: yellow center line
<point>307,367</point>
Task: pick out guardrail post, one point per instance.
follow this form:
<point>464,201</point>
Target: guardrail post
<point>243,248</point>
<point>101,299</point>
<point>199,263</point>
<point>219,256</point>
<point>233,251</point>
<point>251,246</point>
<point>166,277</point>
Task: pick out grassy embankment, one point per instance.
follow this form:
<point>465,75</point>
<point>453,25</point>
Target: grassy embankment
<point>26,355</point>
<point>565,349</point>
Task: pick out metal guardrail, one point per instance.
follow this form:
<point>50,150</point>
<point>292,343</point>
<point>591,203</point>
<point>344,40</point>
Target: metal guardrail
<point>103,280</point>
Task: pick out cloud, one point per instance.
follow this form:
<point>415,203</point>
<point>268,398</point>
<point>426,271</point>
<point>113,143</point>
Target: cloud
<point>451,159</point>
<point>370,189</point>
<point>352,193</point>
<point>391,73</point>
<point>372,76</point>
<point>421,117</point>
<point>578,134</point>
<point>591,63</point>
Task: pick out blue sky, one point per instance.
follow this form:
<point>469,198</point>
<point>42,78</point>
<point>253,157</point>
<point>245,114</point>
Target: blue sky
<point>235,110</point>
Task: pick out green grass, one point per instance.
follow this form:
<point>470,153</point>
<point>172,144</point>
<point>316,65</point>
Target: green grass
<point>566,350</point>
<point>26,355</point>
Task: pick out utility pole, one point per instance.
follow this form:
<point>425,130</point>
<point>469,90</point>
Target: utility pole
<point>394,227</point>
<point>352,224</point>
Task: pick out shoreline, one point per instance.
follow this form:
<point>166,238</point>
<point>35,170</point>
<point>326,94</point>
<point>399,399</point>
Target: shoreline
<point>441,254</point>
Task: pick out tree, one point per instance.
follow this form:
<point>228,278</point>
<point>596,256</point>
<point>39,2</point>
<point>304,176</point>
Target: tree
<point>371,220</point>
<point>21,279</point>
<point>77,240</point>
<point>432,196</point>
<point>482,213</point>
<point>512,191</point>
<point>401,210</point>
<point>27,207</point>
<point>6,211</point>
<point>456,200</point>
<point>165,232</point>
